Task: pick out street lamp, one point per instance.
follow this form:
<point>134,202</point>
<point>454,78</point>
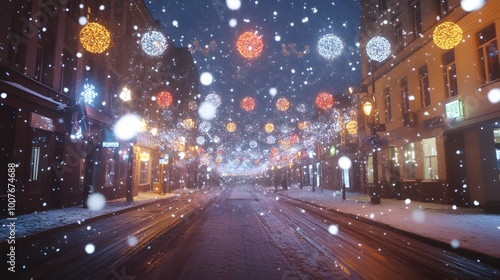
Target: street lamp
<point>374,140</point>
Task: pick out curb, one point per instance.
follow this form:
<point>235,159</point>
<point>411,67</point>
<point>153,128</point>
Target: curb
<point>465,252</point>
<point>39,235</point>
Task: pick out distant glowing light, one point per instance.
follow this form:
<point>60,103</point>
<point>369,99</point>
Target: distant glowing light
<point>233,22</point>
<point>207,111</point>
<point>471,5</point>
<point>282,104</point>
<point>200,140</point>
<point>95,38</point>
<point>333,229</point>
<point>330,46</point>
<point>253,144</point>
<point>378,48</point>
<point>324,100</point>
<point>248,103</point>
<point>270,139</point>
<point>89,248</point>
<point>269,127</point>
<point>127,127</point>
<point>250,45</point>
<point>204,126</point>
<point>233,4</point>
<point>96,201</point>
<point>154,43</point>
<point>273,91</point>
<point>206,78</point>
<point>188,123</point>
<point>214,99</point>
<point>89,94</point>
<point>231,127</point>
<point>3,95</point>
<point>447,35</point>
<point>126,94</point>
<point>345,162</point>
<point>164,99</point>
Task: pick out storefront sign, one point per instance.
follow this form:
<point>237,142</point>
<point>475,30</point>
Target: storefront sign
<point>454,109</point>
<point>41,122</point>
<point>433,122</point>
<point>110,144</point>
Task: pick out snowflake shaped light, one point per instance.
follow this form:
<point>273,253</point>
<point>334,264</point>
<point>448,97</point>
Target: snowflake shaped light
<point>204,126</point>
<point>200,140</point>
<point>154,43</point>
<point>95,38</point>
<point>378,48</point>
<point>324,100</point>
<point>250,45</point>
<point>330,46</point>
<point>248,103</point>
<point>89,94</point>
<point>447,35</point>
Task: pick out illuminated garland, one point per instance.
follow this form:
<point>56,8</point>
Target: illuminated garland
<point>447,35</point>
<point>248,103</point>
<point>250,45</point>
<point>324,100</point>
<point>206,50</point>
<point>95,38</point>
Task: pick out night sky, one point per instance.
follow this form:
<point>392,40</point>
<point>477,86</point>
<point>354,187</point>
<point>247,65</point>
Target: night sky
<point>297,76</point>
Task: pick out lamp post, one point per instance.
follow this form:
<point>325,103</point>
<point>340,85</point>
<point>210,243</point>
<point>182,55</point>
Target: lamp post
<point>374,139</point>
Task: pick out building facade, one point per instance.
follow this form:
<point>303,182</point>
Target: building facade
<point>439,105</point>
<point>59,101</point>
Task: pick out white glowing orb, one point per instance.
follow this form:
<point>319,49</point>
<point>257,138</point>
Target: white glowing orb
<point>3,95</point>
<point>378,48</point>
<point>494,95</point>
<point>273,91</point>
<point>333,229</point>
<point>407,201</point>
<point>96,201</point>
<point>200,140</point>
<point>207,111</point>
<point>89,248</point>
<point>233,22</point>
<point>471,5</point>
<point>175,23</point>
<point>277,38</point>
<point>233,4</point>
<point>82,21</point>
<point>418,216</point>
<point>206,78</point>
<point>127,127</point>
<point>132,241</point>
<point>330,46</point>
<point>455,243</point>
<point>345,162</point>
<point>154,43</point>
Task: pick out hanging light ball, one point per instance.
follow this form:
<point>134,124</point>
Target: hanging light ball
<point>378,48</point>
<point>269,127</point>
<point>330,46</point>
<point>231,127</point>
<point>303,125</point>
<point>447,35</point>
<point>164,99</point>
<point>204,126</point>
<point>95,38</point>
<point>154,43</point>
<point>250,45</point>
<point>352,127</point>
<point>188,123</point>
<point>248,103</point>
<point>126,94</point>
<point>294,138</point>
<point>324,100</point>
<point>270,139</point>
<point>253,144</point>
<point>282,104</point>
<point>214,98</point>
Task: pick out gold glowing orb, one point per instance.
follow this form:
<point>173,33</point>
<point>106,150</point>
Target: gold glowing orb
<point>188,123</point>
<point>95,38</point>
<point>352,127</point>
<point>250,45</point>
<point>447,35</point>
<point>231,127</point>
<point>282,104</point>
<point>303,125</point>
<point>269,127</point>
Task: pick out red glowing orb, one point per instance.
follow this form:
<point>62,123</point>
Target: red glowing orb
<point>249,45</point>
<point>324,100</point>
<point>248,103</point>
<point>282,104</point>
<point>164,99</point>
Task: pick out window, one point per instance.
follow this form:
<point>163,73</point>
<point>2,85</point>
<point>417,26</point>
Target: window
<point>39,63</point>
<point>450,73</point>
<point>410,162</point>
<point>442,8</point>
<point>405,96</point>
<point>399,36</point>
<point>416,18</point>
<point>388,107</point>
<point>144,172</point>
<point>430,159</point>
<point>110,173</point>
<point>382,5</point>
<point>74,9</point>
<point>425,91</point>
<point>488,53</point>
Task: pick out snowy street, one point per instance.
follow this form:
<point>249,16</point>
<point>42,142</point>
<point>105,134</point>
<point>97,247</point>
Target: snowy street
<point>238,232</point>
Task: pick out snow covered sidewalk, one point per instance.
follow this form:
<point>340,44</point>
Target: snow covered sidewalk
<point>469,228</point>
<point>29,224</point>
